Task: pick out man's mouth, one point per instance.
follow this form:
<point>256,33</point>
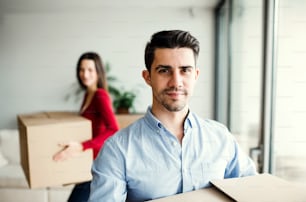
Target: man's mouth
<point>175,93</point>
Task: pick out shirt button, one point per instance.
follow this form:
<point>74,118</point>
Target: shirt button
<point>174,143</point>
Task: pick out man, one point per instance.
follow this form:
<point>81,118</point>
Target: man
<point>170,150</point>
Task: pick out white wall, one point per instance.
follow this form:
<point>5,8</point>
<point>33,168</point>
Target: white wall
<point>290,127</point>
<point>39,51</point>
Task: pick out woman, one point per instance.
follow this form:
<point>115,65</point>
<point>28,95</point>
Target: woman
<point>97,107</point>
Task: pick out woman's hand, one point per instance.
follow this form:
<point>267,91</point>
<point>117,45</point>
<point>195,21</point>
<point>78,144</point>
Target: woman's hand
<point>68,150</point>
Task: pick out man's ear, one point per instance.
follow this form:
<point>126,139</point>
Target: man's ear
<point>197,72</point>
<point>146,76</point>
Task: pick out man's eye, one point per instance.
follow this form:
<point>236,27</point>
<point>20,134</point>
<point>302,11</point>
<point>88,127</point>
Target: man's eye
<point>186,69</point>
<point>163,71</point>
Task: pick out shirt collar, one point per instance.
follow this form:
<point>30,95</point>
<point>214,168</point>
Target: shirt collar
<point>189,120</point>
<point>154,122</point>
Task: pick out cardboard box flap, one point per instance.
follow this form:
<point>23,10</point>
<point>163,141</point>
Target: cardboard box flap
<point>61,114</point>
<point>48,118</point>
<point>202,195</point>
<point>262,187</point>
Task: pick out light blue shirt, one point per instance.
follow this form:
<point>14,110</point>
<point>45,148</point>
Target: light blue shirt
<point>145,161</point>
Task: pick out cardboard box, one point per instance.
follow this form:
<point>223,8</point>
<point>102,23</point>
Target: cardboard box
<point>40,134</point>
<point>259,188</point>
<point>126,119</point>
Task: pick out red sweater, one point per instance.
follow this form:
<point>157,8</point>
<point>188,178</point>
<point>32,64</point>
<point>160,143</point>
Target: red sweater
<point>103,120</point>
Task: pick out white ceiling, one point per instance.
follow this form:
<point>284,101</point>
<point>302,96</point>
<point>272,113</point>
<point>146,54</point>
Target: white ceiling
<point>79,5</point>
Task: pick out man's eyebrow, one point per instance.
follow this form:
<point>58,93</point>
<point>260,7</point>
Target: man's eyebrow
<point>163,67</point>
<point>186,66</point>
<point>169,67</point>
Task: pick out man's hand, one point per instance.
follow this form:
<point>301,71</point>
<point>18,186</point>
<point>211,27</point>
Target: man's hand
<point>68,150</point>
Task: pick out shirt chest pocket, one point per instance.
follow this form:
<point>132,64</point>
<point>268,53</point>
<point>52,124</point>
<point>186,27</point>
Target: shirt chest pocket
<point>205,172</point>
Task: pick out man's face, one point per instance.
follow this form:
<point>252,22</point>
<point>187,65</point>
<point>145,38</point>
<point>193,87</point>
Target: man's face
<point>172,78</point>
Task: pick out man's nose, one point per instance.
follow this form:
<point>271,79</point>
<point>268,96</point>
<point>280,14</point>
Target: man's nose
<point>176,79</point>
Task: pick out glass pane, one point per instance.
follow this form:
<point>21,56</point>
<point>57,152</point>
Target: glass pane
<point>290,117</point>
<point>246,63</point>
<point>221,90</point>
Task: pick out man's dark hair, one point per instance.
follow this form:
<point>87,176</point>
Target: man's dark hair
<point>170,39</point>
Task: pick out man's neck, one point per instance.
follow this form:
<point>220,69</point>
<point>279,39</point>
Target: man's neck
<point>173,121</point>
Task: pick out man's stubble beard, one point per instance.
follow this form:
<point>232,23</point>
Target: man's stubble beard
<point>170,104</point>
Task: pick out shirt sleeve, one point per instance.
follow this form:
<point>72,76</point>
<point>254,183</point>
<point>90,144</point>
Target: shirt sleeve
<point>108,183</point>
<point>240,165</point>
<point>105,124</point>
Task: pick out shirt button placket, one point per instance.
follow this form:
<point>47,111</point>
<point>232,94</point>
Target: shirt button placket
<point>187,180</point>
